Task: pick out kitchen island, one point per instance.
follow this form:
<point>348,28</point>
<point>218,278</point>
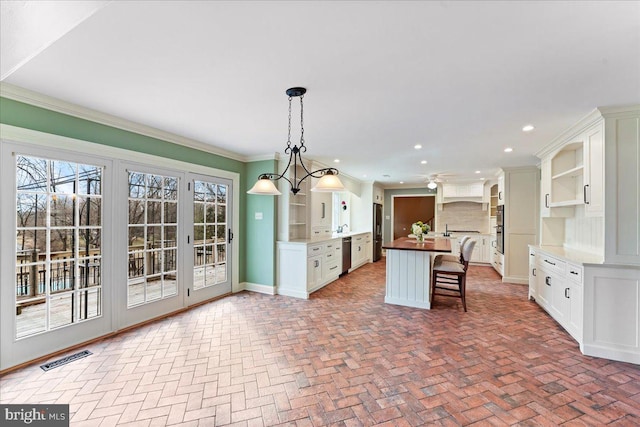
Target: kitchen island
<point>409,270</point>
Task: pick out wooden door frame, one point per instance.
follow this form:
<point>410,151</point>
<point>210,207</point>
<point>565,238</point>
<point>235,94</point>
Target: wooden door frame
<point>393,208</point>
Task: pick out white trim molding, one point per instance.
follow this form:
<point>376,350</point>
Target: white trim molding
<point>20,94</point>
<point>256,287</point>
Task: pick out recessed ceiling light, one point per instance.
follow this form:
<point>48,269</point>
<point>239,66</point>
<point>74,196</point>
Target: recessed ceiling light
<point>336,160</point>
<point>508,150</point>
<point>401,182</point>
<point>477,171</point>
<point>417,146</point>
<point>527,128</point>
<point>481,179</point>
<point>424,162</point>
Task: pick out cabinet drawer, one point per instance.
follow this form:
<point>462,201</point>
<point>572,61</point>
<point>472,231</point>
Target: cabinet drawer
<point>314,250</point>
<point>330,256</point>
<point>550,263</point>
<point>331,269</point>
<point>574,273</point>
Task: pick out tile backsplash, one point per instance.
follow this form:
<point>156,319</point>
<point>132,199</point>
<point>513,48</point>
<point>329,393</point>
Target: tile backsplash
<point>463,216</point>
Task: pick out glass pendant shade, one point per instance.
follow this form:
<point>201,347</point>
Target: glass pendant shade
<point>328,183</point>
<point>264,187</point>
<point>432,185</point>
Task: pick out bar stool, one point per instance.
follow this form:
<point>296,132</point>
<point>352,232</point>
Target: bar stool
<point>449,279</point>
<point>453,258</point>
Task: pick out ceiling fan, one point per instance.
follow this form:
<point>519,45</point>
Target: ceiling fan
<point>435,178</point>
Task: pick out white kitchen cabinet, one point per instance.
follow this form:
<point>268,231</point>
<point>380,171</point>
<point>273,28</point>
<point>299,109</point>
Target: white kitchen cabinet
<point>594,171</point>
<point>314,272</point>
<point>482,250</point>
<point>573,292</point>
<point>359,250</point>
<point>304,267</point>
<point>293,212</point>
<point>321,210</point>
<point>497,261</point>
<point>501,195</point>
<point>368,244</point>
<point>533,281</point>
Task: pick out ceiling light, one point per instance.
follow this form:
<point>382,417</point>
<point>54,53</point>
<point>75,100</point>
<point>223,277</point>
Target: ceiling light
<point>328,181</point>
<point>336,161</point>
<point>477,171</point>
<point>527,128</point>
<point>424,162</point>
<point>432,185</point>
<point>417,146</point>
<point>401,182</point>
<point>508,150</point>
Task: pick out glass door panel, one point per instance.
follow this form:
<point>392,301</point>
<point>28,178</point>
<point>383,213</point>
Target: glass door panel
<point>211,225</point>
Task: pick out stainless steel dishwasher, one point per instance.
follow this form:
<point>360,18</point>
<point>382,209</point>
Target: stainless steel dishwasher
<point>346,254</point>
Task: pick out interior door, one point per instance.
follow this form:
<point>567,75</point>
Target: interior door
<point>407,210</point>
<point>210,238</point>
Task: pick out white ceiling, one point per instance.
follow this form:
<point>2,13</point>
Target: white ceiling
<point>460,78</point>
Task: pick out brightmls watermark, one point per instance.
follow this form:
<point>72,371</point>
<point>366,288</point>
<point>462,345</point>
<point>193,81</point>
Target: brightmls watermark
<point>35,415</point>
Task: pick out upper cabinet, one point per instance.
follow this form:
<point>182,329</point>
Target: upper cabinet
<point>590,186</point>
<point>501,194</point>
<point>573,175</point>
<point>493,199</point>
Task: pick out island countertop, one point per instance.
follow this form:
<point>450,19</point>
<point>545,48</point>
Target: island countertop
<point>431,244</point>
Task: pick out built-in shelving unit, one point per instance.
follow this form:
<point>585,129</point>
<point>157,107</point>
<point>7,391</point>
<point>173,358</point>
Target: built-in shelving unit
<point>298,212</point>
<point>567,176</point>
<point>493,202</point>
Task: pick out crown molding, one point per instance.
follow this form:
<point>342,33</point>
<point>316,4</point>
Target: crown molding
<point>274,156</point>
<point>36,99</point>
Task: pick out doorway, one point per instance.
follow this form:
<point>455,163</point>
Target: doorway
<point>409,209</point>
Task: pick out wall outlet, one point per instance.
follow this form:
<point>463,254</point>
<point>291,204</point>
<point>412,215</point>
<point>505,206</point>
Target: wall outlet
<point>258,215</point>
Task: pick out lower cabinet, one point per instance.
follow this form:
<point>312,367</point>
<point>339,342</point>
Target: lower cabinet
<point>359,253</point>
<point>306,266</point>
<point>497,261</point>
<point>556,285</point>
<point>481,251</point>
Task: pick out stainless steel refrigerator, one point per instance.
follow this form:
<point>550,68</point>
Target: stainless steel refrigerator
<point>377,231</point>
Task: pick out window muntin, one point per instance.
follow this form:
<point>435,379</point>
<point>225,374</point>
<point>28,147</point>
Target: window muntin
<point>152,238</point>
<point>58,244</point>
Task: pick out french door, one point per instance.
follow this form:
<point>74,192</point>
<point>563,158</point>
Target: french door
<point>209,259</point>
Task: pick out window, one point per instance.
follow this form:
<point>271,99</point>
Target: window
<point>152,237</point>
<point>58,244</point>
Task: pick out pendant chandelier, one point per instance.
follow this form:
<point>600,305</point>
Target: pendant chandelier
<point>328,177</point>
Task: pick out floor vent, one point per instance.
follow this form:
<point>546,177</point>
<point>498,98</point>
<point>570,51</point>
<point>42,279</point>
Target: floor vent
<point>49,366</point>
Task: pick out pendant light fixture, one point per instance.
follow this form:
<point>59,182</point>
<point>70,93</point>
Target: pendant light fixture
<point>328,177</point>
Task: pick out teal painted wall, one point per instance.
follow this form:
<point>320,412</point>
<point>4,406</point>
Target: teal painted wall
<point>260,257</point>
<point>388,206</point>
<point>253,260</point>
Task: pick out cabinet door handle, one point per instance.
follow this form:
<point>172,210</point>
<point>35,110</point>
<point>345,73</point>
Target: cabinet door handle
<point>533,272</point>
<point>547,280</point>
<point>499,195</point>
<point>334,267</point>
<point>322,209</point>
<point>316,263</point>
<point>566,292</point>
<point>546,200</point>
<point>584,190</point>
<point>574,272</point>
<point>549,262</point>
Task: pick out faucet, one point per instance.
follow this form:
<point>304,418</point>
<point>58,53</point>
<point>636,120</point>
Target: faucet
<point>341,228</point>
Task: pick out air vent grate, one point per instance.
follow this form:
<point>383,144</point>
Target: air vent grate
<point>68,359</point>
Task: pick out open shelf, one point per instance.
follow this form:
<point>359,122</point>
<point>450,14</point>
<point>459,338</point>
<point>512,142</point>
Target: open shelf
<point>571,173</point>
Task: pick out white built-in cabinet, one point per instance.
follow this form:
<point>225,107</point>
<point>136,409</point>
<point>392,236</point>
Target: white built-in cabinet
<point>481,251</point>
<point>587,269</point>
<point>573,175</point>
<point>462,191</point>
<point>518,193</point>
<point>360,249</point>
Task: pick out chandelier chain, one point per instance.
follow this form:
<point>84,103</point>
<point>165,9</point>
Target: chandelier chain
<point>301,122</point>
<point>289,132</point>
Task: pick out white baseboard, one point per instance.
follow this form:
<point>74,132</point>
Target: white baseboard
<point>293,293</point>
<point>256,287</point>
<point>517,280</point>
<point>408,302</point>
<point>629,356</point>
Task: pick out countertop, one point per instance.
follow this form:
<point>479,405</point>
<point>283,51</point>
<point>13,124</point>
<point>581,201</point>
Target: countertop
<point>570,254</point>
<point>325,238</point>
<point>431,244</point>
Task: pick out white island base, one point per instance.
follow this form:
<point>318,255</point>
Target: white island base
<point>409,270</point>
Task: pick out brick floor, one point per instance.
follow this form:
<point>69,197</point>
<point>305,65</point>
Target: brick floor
<point>343,358</point>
